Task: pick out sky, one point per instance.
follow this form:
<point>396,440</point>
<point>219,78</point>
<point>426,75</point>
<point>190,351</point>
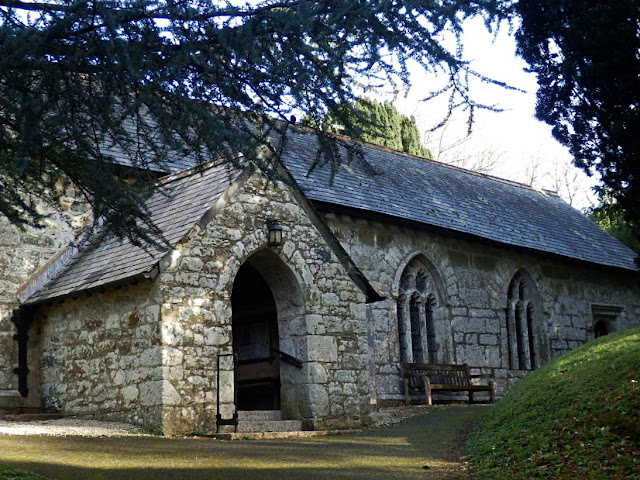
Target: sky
<point>516,145</point>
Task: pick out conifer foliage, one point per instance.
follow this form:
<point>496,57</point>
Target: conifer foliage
<point>379,123</point>
<point>585,55</point>
<point>155,81</point>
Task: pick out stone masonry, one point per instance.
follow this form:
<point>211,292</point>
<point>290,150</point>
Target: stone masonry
<point>23,253</point>
<point>321,313</point>
<point>147,353</point>
<point>474,279</point>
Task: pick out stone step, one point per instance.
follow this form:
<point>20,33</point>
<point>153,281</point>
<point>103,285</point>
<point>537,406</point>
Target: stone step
<point>28,416</point>
<point>252,415</point>
<point>12,402</point>
<point>251,426</point>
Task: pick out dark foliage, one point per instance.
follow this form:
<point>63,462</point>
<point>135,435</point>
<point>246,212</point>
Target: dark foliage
<point>155,82</point>
<point>585,54</point>
<point>613,220</point>
<point>379,123</point>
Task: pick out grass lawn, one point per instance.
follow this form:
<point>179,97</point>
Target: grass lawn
<point>402,451</point>
<point>8,473</point>
<point>577,417</point>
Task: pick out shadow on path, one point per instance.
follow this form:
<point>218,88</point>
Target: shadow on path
<point>402,451</point>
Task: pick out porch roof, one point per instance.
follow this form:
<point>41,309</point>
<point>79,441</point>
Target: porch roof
<point>104,260</point>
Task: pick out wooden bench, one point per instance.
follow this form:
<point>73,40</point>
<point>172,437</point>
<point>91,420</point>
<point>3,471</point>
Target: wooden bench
<point>430,376</point>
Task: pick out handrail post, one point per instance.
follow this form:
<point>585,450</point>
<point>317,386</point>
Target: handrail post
<point>22,318</point>
<point>219,420</point>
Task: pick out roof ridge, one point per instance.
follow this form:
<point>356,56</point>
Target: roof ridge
<point>172,177</point>
<point>383,148</point>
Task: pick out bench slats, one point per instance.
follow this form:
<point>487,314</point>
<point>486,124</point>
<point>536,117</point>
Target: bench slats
<point>432,376</point>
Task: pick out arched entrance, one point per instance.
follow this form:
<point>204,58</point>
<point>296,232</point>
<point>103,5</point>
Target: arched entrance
<point>600,329</point>
<point>255,340</point>
<point>269,338</point>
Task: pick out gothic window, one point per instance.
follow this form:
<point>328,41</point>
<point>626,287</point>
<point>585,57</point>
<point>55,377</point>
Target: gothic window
<point>417,316</point>
<point>416,331</point>
<point>524,333</point>
<point>402,330</point>
<point>432,345</point>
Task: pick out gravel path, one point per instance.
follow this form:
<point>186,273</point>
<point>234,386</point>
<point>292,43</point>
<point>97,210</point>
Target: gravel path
<point>82,427</point>
<point>69,426</point>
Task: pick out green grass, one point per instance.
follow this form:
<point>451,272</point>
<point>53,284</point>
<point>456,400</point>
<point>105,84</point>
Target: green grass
<point>577,417</point>
<point>424,447</point>
<point>8,473</point>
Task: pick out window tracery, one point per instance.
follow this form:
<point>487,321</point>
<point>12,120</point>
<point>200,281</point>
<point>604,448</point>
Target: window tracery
<point>522,335</point>
<point>417,316</point>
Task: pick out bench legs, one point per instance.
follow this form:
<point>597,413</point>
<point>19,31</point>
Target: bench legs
<point>427,391</point>
<point>407,395</point>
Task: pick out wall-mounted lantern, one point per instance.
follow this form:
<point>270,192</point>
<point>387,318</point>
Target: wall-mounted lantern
<point>274,233</point>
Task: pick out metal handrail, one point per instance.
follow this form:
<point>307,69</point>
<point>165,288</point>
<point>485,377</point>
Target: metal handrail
<point>285,357</point>
<point>226,421</point>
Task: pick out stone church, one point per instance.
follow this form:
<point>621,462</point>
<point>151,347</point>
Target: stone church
<point>303,296</point>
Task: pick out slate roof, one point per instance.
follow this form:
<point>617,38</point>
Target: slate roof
<point>403,187</point>
<point>441,196</point>
<point>117,153</point>
<point>176,208</point>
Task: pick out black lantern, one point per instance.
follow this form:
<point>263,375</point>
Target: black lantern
<point>274,232</point>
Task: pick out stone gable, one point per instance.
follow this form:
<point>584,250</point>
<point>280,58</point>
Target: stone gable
<point>321,311</point>
<point>147,353</point>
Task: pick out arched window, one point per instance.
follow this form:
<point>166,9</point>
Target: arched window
<point>525,336</point>
<point>418,308</point>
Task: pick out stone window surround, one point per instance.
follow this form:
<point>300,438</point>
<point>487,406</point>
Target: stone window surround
<point>522,311</point>
<point>418,313</point>
<point>607,315</point>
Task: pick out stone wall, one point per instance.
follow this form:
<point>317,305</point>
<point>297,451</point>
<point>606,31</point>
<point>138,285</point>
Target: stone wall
<point>321,313</point>
<point>22,253</point>
<point>101,355</point>
<point>473,281</point>
<point>147,353</point>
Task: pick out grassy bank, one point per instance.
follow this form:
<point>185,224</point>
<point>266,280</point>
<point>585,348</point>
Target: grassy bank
<point>577,417</point>
<point>8,473</point>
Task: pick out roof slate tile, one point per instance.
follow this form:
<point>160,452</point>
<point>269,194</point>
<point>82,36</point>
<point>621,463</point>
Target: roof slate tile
<point>404,187</point>
<point>175,208</point>
<point>438,195</point>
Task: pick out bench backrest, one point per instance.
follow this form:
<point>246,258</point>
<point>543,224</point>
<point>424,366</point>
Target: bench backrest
<point>437,373</point>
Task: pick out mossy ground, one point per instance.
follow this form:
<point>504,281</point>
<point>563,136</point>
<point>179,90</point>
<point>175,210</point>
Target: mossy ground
<point>8,473</point>
<point>577,417</point>
<point>403,451</point>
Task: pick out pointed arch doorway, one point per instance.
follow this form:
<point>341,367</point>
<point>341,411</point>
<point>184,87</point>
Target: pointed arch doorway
<point>255,337</point>
<point>269,338</point>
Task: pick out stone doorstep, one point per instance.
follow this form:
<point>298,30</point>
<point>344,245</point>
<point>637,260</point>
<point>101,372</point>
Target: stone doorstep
<point>262,426</point>
<point>12,401</point>
<point>253,415</point>
<point>278,435</point>
<point>28,416</point>
<point>261,421</point>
